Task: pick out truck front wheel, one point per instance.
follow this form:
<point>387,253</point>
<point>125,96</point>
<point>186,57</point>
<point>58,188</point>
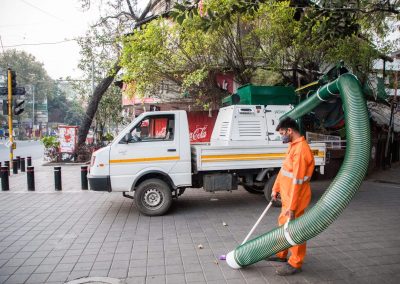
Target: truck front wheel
<point>153,197</point>
<point>268,191</point>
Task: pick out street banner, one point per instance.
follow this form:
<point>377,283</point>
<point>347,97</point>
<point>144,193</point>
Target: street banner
<point>68,137</point>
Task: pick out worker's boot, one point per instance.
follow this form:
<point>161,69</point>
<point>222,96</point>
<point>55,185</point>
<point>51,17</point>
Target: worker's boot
<point>287,269</point>
<point>275,258</point>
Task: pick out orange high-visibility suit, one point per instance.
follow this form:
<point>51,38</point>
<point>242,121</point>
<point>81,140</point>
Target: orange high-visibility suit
<point>293,184</point>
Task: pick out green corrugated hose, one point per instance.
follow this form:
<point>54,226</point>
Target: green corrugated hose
<point>341,190</point>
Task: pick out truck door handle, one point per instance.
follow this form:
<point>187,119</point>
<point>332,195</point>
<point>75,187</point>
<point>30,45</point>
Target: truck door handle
<point>171,150</point>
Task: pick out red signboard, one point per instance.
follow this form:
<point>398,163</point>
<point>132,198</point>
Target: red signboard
<point>225,82</point>
<point>201,125</point>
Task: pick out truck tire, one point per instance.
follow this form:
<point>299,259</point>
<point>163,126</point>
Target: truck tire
<point>255,189</point>
<point>153,197</point>
<point>268,191</point>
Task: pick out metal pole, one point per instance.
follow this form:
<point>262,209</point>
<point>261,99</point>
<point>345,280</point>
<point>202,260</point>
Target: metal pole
<point>7,164</point>
<point>22,165</point>
<point>57,178</point>
<point>388,156</point>
<point>15,166</point>
<point>84,181</point>
<point>18,162</point>
<point>10,126</point>
<point>29,161</point>
<point>5,186</point>
<point>258,222</point>
<point>30,175</point>
<point>33,107</point>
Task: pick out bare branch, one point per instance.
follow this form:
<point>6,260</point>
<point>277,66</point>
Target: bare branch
<point>103,20</point>
<point>128,2</point>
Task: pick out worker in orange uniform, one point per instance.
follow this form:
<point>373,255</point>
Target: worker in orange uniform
<point>293,185</point>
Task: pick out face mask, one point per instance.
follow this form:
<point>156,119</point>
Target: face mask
<point>285,138</point>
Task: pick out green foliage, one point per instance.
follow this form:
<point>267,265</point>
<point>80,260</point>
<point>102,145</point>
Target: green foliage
<point>298,37</point>
<point>108,137</point>
<point>50,142</point>
<point>51,145</point>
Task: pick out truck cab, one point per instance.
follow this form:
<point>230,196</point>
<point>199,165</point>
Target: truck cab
<point>155,143</point>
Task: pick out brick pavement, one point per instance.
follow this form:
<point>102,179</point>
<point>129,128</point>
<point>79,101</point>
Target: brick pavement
<point>55,237</point>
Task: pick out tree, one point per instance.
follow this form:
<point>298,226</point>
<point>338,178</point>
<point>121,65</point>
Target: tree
<point>120,17</point>
<point>297,36</point>
<point>64,110</point>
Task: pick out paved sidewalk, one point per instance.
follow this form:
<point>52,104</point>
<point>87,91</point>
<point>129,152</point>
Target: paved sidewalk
<point>55,237</point>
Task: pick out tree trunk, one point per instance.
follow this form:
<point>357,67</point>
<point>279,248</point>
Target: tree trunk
<point>93,104</point>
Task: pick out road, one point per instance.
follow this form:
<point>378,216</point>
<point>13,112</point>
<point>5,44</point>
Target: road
<point>24,149</point>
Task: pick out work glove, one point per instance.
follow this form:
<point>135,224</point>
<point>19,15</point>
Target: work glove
<point>274,195</point>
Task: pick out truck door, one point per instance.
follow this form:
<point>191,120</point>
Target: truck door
<point>152,144</point>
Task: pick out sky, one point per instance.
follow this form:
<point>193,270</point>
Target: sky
<point>27,22</point>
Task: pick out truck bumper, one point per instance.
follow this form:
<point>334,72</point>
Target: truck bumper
<point>99,183</point>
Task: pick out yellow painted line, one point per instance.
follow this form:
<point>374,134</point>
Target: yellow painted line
<point>138,160</point>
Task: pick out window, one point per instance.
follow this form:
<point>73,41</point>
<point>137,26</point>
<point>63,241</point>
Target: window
<point>154,128</point>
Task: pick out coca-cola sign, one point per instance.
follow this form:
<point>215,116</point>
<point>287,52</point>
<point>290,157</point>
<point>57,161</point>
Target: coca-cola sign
<point>201,125</point>
<point>198,134</point>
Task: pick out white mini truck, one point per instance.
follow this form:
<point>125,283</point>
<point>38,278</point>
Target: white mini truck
<point>153,158</point>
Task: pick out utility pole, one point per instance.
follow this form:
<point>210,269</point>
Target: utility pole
<point>33,107</point>
<point>10,120</point>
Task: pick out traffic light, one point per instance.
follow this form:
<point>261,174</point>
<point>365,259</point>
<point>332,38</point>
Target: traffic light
<point>18,91</point>
<point>5,107</point>
<point>18,107</point>
<point>3,91</point>
<point>13,80</point>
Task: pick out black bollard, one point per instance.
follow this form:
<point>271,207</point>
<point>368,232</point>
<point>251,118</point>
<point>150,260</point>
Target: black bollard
<point>15,166</point>
<point>30,175</point>
<point>4,179</point>
<point>19,162</point>
<point>29,161</point>
<point>84,181</point>
<point>23,165</point>
<point>57,178</point>
<point>7,164</point>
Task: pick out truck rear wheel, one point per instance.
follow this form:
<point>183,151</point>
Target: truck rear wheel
<point>255,189</point>
<point>153,197</point>
<point>268,191</point>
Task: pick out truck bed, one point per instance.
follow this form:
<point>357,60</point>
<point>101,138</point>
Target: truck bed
<point>206,157</point>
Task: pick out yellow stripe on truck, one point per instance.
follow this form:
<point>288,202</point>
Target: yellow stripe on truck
<point>242,157</point>
<point>251,157</point>
<point>139,160</point>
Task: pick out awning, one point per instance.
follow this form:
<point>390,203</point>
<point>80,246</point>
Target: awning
<point>381,115</point>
